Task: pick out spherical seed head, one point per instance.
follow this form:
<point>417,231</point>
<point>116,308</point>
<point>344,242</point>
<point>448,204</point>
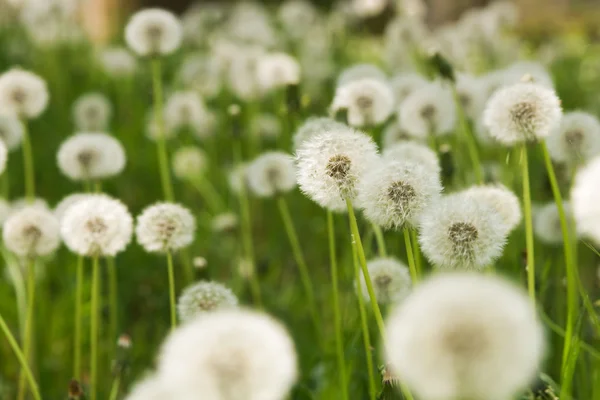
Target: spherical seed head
<point>416,153</point>
<point>165,227</point>
<point>459,232</point>
<point>277,70</point>
<point>97,226</point>
<point>393,194</point>
<point>153,32</point>
<point>184,109</point>
<point>230,354</point>
<point>546,223</point>
<point>11,131</point>
<point>66,203</point>
<point>92,112</point>
<point>189,162</point>
<point>465,336</point>
<point>576,140</point>
<point>272,173</point>
<point>359,72</point>
<point>91,156</point>
<point>118,62</point>
<point>585,197</point>
<point>367,101</point>
<point>204,297</point>
<point>502,200</point>
<point>23,93</point>
<point>428,110</point>
<point>523,112</point>
<point>31,232</point>
<point>329,166</point>
<point>314,126</point>
<point>405,84</point>
<point>202,73</point>
<point>390,278</point>
<point>472,94</point>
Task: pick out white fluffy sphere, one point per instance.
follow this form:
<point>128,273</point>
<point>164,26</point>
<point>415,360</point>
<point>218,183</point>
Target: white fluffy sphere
<point>585,197</point>
<point>165,227</point>
<point>92,112</point>
<point>390,278</point>
<point>184,109</point>
<point>202,297</point>
<point>189,162</point>
<point>271,173</point>
<point>23,93</point>
<point>277,70</point>
<point>31,232</point>
<point>367,101</point>
<point>546,223</point>
<point>153,32</point>
<point>66,203</point>
<point>414,152</point>
<point>118,62</point>
<point>11,131</point>
<point>428,110</point>
<point>502,200</point>
<point>576,140</point>
<point>359,72</point>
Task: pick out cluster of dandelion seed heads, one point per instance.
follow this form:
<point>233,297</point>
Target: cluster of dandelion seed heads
<point>428,110</point>
<point>189,162</point>
<point>92,112</point>
<point>97,225</point>
<point>91,156</point>
<point>502,200</point>
<point>368,102</point>
<point>414,152</point>
<point>391,280</point>
<point>314,126</point>
<point>31,232</point>
<point>23,93</point>
<point>203,297</point>
<point>576,140</point>
<point>585,197</point>
<point>523,112</point>
<point>153,32</point>
<point>272,173</point>
<point>465,336</point>
<point>11,131</point>
<point>165,227</point>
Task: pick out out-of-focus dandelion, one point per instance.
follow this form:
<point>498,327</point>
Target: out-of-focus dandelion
<point>276,70</point>
<point>368,102</point>
<point>546,223</point>
<point>585,197</point>
<point>92,112</point>
<point>427,111</point>
<point>271,174</point>
<point>576,140</point>
<point>391,280</point>
<point>11,131</point>
<point>204,297</point>
<point>153,32</point>
<point>502,200</point>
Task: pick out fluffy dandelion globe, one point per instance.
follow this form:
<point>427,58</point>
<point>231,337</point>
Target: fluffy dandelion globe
<point>31,232</point>
<point>367,102</point>
<point>203,297</point>
<point>502,200</point>
<point>97,226</point>
<point>393,194</point>
<point>11,131</point>
<point>576,140</point>
<point>23,93</point>
<point>404,84</point>
<point>272,173</point>
<point>368,8</point>
<point>165,227</point>
<point>154,130</point>
<point>523,112</point>
<point>153,32</point>
<point>546,223</point>
<point>230,354</point>
<point>359,72</point>
<point>429,110</point>
<point>314,126</point>
<point>92,112</point>
<point>330,165</point>
<point>183,109</point>
<point>189,162</point>
<point>585,197</point>
<point>118,62</point>
<point>465,336</point>
<point>416,153</point>
<point>472,94</point>
<point>224,222</point>
<point>91,156</point>
<point>277,70</point>
<point>459,232</point>
<point>66,203</point>
<point>391,280</point>
<point>202,74</point>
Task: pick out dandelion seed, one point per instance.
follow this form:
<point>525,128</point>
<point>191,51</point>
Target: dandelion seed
<point>11,131</point>
<point>92,112</point>
<point>546,223</point>
<point>465,336</point>
<point>23,93</point>
<point>429,110</point>
<point>118,61</point>
<point>165,227</point>
<point>367,101</point>
<point>585,197</point>
<point>153,32</point>
<point>576,140</point>
<point>271,173</point>
<point>415,153</point>
<point>391,280</point>
<point>502,200</point>
<point>189,162</point>
<point>204,297</point>
<point>277,70</point>
<point>31,232</point>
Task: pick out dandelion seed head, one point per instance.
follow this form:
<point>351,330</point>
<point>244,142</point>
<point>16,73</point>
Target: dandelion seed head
<point>367,101</point>
<point>238,178</point>
<point>472,94</point>
<point>202,73</point>
<point>465,335</point>
<point>31,232</point>
<point>414,152</point>
<point>91,156</point>
<point>224,222</point>
<point>546,223</point>
<point>189,162</point>
<point>368,8</point>
<point>276,70</point>
<point>272,173</point>
<point>92,112</point>
<point>576,140</point>
<point>184,109</point>
<point>297,17</point>
<point>66,203</point>
<point>428,110</point>
<point>203,297</point>
<point>502,200</point>
<point>585,197</point>
<point>165,227</point>
<point>23,93</point>
<point>153,129</point>
<point>390,278</point>
<point>97,226</point>
<point>11,131</point>
<point>314,126</point>
<point>153,32</point>
<point>118,62</point>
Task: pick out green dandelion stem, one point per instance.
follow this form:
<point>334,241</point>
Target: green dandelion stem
<point>468,136</point>
<point>528,224</point>
<point>29,321</point>
<point>380,240</point>
<point>95,310</point>
<point>78,318</point>
<point>113,298</point>
<point>172,302</point>
<point>417,252</point>
<point>114,390</point>
<point>414,274</point>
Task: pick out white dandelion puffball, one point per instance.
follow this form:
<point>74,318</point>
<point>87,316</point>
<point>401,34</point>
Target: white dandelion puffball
<point>297,17</point>
<point>429,110</point>
<point>416,153</point>
<point>118,61</point>
<point>472,93</point>
<point>238,178</point>
<point>203,297</point>
<point>546,223</point>
<point>359,72</point>
<point>202,73</point>
<point>189,162</point>
<point>230,354</point>
<point>272,173</point>
<point>3,157</point>
<point>153,129</point>
<point>31,232</point>
<point>393,194</point>
<point>367,101</point>
<point>97,226</point>
<point>391,280</point>
<point>151,387</point>
<point>224,222</point>
<point>522,113</point>
<point>92,112</point>
<point>459,232</point>
<point>368,8</point>
<point>11,131</point>
<point>66,203</point>
<point>277,70</point>
<point>314,126</point>
<point>153,32</point>
<point>404,84</point>
<point>465,336</point>
<point>164,227</point>
<point>184,109</point>
<point>86,156</point>
<point>23,93</point>
<point>585,197</point>
<point>330,165</point>
<point>502,200</point>
<point>576,140</point>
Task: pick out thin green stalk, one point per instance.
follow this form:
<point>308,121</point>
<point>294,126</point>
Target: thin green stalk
<point>161,145</point>
<point>78,318</point>
<point>209,193</point>
<point>337,317</point>
<point>28,165</point>
<point>27,339</point>
<point>114,390</point>
<point>188,268</point>
<point>365,329</point>
<point>571,272</point>
<point>417,252</point>
<point>363,263</point>
<point>380,240</point>
<point>95,310</point>
<point>172,290</point>
<point>22,360</point>
<point>113,298</point>
<point>528,224</point>
<point>414,274</point>
<point>468,135</point>
<point>300,260</point>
